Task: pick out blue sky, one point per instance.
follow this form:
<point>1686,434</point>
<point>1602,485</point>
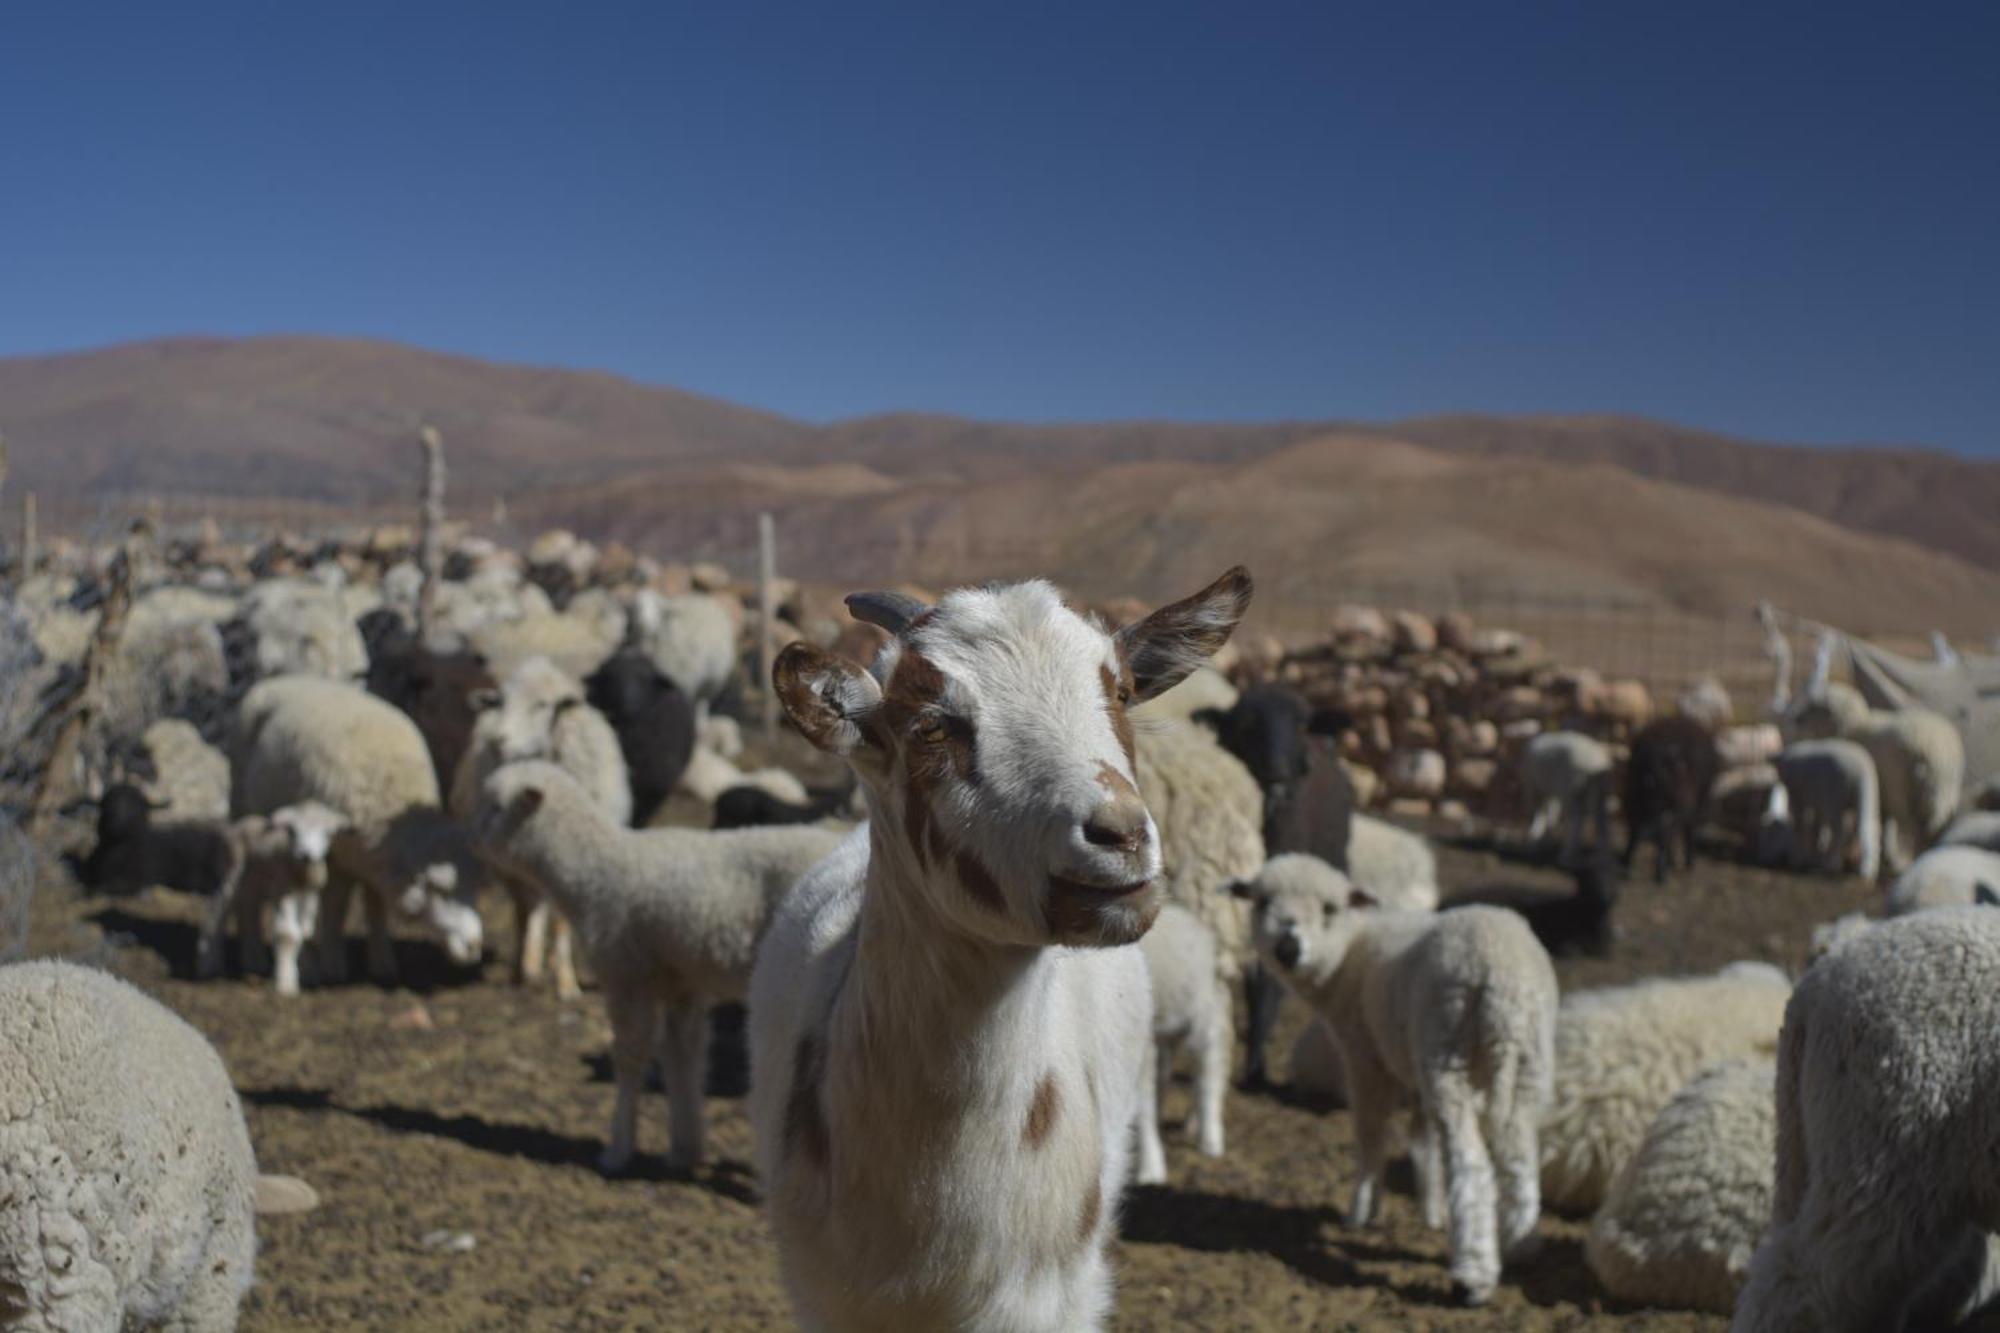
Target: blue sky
<point>1781,223</point>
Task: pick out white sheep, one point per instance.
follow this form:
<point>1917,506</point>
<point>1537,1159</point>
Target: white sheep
<point>300,627</point>
<point>708,775</point>
<point>1190,1012</point>
<point>1210,813</point>
<point>1919,767</point>
<point>1707,701</point>
<point>1832,803</point>
<point>691,639</point>
<point>1450,1014</point>
<point>1975,828</point>
<point>190,777</point>
<point>1393,866</point>
<point>946,1041</point>
<point>302,738</point>
<point>1683,1217</point>
<point>1888,1157</point>
<point>127,1183</point>
<point>539,712</point>
<point>284,868</point>
<point>1565,776</point>
<point>1205,688</point>
<point>1623,1051</point>
<point>1954,876</point>
<point>669,919</point>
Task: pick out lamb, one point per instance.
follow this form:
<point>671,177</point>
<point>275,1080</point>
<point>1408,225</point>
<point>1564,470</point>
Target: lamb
<point>1667,780</point>
<point>284,866</point>
<point>1190,1011</point>
<point>1886,1184</point>
<point>1451,1015</point>
<point>540,714</point>
<point>1566,775</point>
<point>127,1182</point>
<point>1308,807</point>
<point>302,738</point>
<point>655,723</point>
<point>1919,767</point>
<point>946,1042</point>
<point>1393,866</point>
<point>669,920</point>
<point>1683,1217</point>
<point>1623,1051</point>
<point>1954,876</point>
<point>1827,783</point>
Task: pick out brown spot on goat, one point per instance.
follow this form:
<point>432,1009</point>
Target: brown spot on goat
<point>805,1124</point>
<point>1118,689</point>
<point>1093,1208</point>
<point>1042,1112</point>
<point>1114,782</point>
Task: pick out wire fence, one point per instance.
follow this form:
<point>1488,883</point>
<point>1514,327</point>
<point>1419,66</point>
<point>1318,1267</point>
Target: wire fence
<point>1665,646</point>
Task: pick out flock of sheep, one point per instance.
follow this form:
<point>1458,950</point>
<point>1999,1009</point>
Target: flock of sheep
<point>1077,845</point>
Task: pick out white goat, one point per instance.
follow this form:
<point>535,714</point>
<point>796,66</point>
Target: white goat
<point>946,1045</point>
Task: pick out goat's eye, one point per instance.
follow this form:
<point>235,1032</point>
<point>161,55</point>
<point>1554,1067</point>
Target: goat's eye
<point>1124,695</point>
<point>933,731</point>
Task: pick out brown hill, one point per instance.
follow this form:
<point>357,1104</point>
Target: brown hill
<point>1476,507</point>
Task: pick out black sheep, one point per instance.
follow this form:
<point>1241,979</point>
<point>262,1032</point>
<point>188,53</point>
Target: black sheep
<point>654,722</point>
<point>748,806</point>
<point>1667,782</point>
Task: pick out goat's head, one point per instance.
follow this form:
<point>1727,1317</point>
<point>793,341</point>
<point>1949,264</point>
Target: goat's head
<point>993,738</point>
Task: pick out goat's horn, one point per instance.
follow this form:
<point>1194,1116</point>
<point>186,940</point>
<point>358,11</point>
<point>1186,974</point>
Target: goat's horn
<point>892,611</point>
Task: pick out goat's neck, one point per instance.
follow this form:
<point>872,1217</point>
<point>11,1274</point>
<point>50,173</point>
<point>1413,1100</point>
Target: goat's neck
<point>924,994</point>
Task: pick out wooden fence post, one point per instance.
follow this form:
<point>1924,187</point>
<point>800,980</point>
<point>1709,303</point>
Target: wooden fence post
<point>767,612</point>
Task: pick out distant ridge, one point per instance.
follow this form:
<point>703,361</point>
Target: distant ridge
<point>1598,504</point>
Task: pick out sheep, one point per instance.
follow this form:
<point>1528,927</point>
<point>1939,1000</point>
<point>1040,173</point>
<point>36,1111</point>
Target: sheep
<point>708,775</point>
<point>1827,782</point>
<point>1393,866</point>
<point>1683,1217</point>
<point>1708,703</point>
<point>540,713</point>
<point>754,807</point>
<point>579,644</point>
<point>1975,828</point>
<point>1919,768</point>
<point>296,627</point>
<point>284,867</point>
<point>1308,807</point>
<point>655,723</point>
<point>1453,1013</point>
<point>1888,1157</point>
<point>1208,811</point>
<point>1566,775</point>
<point>691,638</point>
<point>127,1183</point>
<point>945,1144</point>
<point>1204,690</point>
<point>1945,877</point>
<point>1190,1011</point>
<point>1575,924</point>
<point>190,777</point>
<point>1740,803</point>
<point>669,920</point>
<point>302,738</point>
<point>1667,781</point>
<point>434,679</point>
<point>1622,1051</point>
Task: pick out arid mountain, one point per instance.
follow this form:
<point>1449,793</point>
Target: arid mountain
<point>1479,507</point>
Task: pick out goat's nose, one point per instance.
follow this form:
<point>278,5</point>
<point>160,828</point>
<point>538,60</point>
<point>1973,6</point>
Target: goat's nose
<point>1119,823</point>
<point>1286,950</point>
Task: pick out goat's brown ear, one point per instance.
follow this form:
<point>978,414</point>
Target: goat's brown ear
<point>827,698</point>
<point>1164,647</point>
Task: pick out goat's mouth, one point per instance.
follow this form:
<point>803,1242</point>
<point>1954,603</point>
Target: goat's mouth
<point>1105,892</point>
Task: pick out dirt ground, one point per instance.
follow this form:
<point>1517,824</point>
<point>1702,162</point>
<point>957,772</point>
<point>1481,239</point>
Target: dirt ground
<point>459,1106</point>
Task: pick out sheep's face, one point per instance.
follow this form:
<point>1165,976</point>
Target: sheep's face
<point>1302,925</point>
<point>993,740</point>
<point>520,722</point>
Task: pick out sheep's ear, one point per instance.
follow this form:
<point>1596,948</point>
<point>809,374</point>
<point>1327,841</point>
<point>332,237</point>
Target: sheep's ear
<point>1362,898</point>
<point>828,698</point>
<point>1180,636</point>
<point>526,801</point>
<point>1244,889</point>
<point>1212,718</point>
<point>1986,895</point>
